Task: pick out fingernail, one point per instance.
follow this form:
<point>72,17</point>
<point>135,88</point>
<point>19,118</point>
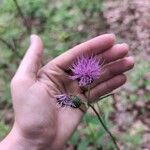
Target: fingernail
<point>31,38</point>
<point>125,45</point>
<point>130,60</point>
<point>113,36</point>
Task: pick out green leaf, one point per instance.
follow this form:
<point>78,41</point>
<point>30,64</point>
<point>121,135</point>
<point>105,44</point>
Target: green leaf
<point>75,138</point>
<point>83,145</point>
<point>4,129</point>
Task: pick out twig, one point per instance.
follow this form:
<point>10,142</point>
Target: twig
<point>27,25</point>
<point>10,46</point>
<point>7,44</point>
<point>115,100</point>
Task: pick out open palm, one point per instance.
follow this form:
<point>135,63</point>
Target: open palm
<point>34,88</point>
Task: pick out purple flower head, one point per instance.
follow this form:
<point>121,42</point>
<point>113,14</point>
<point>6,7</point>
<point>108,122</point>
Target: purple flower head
<point>86,70</point>
<point>66,100</point>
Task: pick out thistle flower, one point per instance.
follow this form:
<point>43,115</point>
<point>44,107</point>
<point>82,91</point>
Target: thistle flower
<point>67,100</point>
<point>86,70</point>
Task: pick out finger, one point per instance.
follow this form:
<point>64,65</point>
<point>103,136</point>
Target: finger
<point>106,87</point>
<point>94,46</point>
<point>118,51</point>
<point>32,59</point>
<point>113,69</point>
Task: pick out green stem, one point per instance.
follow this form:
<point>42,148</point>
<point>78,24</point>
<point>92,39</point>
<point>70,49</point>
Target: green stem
<point>101,98</point>
<point>106,96</point>
<point>100,119</point>
<point>88,93</point>
<point>106,129</point>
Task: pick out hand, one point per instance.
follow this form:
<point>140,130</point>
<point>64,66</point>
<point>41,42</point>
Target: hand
<point>39,123</point>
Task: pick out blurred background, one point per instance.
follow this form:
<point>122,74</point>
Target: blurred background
<point>65,23</point>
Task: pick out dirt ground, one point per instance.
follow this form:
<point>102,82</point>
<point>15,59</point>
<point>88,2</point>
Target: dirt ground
<point>130,21</point>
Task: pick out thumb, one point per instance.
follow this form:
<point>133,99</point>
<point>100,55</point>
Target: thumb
<point>32,60</point>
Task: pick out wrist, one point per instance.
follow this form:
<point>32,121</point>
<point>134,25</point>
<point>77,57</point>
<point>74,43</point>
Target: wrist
<point>16,141</point>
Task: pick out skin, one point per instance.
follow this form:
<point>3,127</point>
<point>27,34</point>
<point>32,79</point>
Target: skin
<point>39,123</point>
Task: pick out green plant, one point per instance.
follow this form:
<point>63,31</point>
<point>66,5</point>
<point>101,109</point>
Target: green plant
<point>4,129</point>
